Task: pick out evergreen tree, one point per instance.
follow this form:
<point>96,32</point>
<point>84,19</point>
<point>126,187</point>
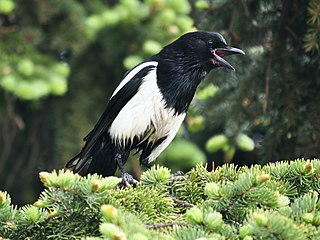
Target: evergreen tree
<point>273,95</point>
<point>277,201</point>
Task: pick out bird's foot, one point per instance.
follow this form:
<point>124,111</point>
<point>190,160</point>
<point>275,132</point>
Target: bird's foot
<point>177,176</point>
<point>146,163</point>
<point>179,173</point>
<point>127,180</point>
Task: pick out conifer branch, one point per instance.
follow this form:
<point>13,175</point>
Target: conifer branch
<point>181,202</point>
<point>280,200</point>
<point>165,225</point>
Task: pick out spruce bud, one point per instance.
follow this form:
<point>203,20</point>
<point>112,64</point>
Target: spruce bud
<point>245,143</point>
<point>109,182</point>
<point>246,230</point>
<point>201,4</point>
<point>156,176</point>
<point>110,213</point>
<point>248,238</point>
<point>110,231</point>
<point>66,179</point>
<point>49,179</point>
<point>3,198</point>
<point>119,236</point>
<point>308,217</point>
<point>260,219</point>
<point>44,176</point>
<point>213,220</point>
<point>40,204</point>
<point>95,185</point>
<point>139,236</point>
<point>216,143</point>
<point>195,124</point>
<point>308,168</point>
<point>33,214</point>
<point>53,213</point>
<point>212,190</point>
<point>283,201</point>
<point>194,215</point>
<point>262,178</point>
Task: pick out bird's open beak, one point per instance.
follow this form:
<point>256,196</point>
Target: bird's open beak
<point>220,53</point>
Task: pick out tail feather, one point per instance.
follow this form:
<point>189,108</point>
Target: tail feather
<point>99,159</point>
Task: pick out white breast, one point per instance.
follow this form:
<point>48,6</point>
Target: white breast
<point>145,111</point>
<point>171,129</point>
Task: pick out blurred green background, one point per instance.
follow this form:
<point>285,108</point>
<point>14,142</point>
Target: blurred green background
<point>60,60</point>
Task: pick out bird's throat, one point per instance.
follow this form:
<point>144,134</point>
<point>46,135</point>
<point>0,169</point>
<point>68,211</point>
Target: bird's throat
<point>178,90</point>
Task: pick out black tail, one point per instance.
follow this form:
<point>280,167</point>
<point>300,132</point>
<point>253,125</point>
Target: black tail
<point>100,159</point>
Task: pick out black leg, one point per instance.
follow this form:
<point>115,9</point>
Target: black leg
<point>127,179</point>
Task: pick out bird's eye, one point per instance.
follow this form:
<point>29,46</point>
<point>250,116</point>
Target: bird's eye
<point>210,43</point>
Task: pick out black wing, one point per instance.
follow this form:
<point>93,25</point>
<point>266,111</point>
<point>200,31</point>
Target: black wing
<point>116,103</point>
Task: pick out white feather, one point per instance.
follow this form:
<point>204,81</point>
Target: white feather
<point>131,74</point>
<point>146,116</point>
<point>173,126</point>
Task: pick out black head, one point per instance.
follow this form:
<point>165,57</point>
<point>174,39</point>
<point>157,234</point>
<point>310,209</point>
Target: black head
<point>204,49</point>
<point>185,62</point>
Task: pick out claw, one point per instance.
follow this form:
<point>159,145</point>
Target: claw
<point>127,180</point>
<point>177,174</point>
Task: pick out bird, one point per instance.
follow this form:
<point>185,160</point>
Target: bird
<point>149,105</point>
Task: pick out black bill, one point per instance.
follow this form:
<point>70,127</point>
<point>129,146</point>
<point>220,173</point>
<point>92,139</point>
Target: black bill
<point>220,53</point>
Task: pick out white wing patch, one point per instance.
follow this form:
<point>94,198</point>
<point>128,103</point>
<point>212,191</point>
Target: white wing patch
<point>132,73</point>
<point>146,110</point>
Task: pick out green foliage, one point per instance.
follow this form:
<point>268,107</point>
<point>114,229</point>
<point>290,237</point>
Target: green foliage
<point>161,22</point>
<point>216,143</point>
<point>278,201</point>
<point>125,224</point>
<point>29,80</point>
<point>26,69</point>
<point>272,97</point>
<point>269,225</point>
<point>221,142</point>
<point>189,187</point>
<point>150,203</point>
<point>7,6</point>
<point>157,176</point>
<point>312,38</point>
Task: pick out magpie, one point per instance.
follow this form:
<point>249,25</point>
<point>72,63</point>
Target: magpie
<point>146,110</point>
